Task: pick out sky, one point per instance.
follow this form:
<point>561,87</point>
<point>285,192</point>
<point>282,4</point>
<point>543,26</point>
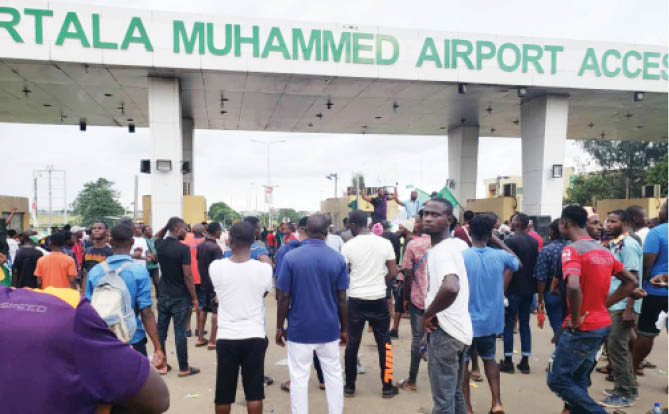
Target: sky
<point>229,167</point>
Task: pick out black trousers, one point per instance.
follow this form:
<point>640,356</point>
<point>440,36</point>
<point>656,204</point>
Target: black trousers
<point>376,313</point>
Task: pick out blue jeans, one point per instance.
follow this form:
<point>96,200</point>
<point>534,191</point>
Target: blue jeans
<point>553,305</point>
<point>176,308</point>
<point>570,366</point>
<point>417,332</point>
<point>518,305</point>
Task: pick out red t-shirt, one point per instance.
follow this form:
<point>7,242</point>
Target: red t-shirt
<point>192,243</point>
<point>271,240</point>
<point>540,241</point>
<point>595,265</point>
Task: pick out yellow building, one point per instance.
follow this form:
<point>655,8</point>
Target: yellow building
<point>21,220</point>
<point>194,209</point>
<point>512,186</point>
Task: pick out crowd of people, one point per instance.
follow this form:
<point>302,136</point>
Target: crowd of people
<point>601,283</point>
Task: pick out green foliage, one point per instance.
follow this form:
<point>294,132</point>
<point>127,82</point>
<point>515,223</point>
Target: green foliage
<point>289,214</point>
<point>588,188</point>
<point>624,168</point>
<point>98,202</point>
<point>657,174</point>
<point>223,213</point>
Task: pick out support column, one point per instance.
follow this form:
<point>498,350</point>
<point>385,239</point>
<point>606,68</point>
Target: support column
<point>463,150</point>
<point>167,144</point>
<point>187,143</point>
<point>543,135</point>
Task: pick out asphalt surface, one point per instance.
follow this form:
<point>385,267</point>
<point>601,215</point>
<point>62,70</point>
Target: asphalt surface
<point>520,393</point>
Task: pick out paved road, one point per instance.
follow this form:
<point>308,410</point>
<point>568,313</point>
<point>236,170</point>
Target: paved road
<point>520,393</point>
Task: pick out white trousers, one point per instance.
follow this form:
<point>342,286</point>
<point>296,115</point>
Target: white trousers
<point>300,359</point>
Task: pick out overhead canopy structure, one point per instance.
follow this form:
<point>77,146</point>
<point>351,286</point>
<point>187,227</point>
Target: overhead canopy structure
<point>172,72</point>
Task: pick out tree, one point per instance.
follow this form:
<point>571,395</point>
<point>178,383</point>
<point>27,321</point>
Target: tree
<point>657,174</point>
<point>358,180</point>
<point>223,213</point>
<point>290,214</point>
<point>587,188</point>
<point>624,163</point>
<point>98,202</point>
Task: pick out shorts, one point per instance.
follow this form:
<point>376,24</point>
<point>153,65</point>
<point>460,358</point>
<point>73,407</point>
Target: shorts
<point>651,306</point>
<point>485,346</point>
<point>201,296</point>
<point>210,304</point>
<point>398,293</point>
<point>247,354</point>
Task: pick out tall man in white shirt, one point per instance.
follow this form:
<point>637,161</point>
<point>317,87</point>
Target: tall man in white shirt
<point>241,285</point>
<point>446,317</point>
<point>371,262</point>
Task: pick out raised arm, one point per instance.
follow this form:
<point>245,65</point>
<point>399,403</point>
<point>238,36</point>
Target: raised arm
<point>10,216</point>
<point>365,196</point>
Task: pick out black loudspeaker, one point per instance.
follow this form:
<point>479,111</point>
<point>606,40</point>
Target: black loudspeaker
<point>185,167</point>
<point>145,166</point>
<point>541,225</point>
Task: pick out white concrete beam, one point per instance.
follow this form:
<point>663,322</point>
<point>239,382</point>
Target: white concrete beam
<point>187,143</point>
<point>543,134</point>
<point>463,149</point>
<point>167,144</point>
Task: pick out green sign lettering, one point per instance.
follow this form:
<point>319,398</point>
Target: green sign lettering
<point>39,14</point>
<point>313,47</point>
<point>97,43</point>
<point>275,35</point>
<point>590,63</point>
<point>9,25</point>
<point>380,60</point>
<point>71,19</point>
<point>180,35</point>
<point>253,40</point>
<point>210,40</point>
<point>428,52</point>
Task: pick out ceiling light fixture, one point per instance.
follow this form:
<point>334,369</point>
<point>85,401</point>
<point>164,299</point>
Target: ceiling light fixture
<point>46,105</point>
<point>131,128</point>
<point>108,95</point>
<point>82,125</point>
<point>395,106</point>
<point>489,109</point>
<point>522,91</point>
<point>329,104</point>
<point>462,88</point>
<point>516,122</point>
<point>639,96</point>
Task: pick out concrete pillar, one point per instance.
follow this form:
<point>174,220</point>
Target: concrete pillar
<point>187,143</point>
<point>463,150</point>
<point>543,135</point>
<point>167,144</point>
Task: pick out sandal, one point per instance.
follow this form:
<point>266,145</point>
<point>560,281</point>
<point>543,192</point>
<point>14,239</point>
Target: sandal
<point>603,370</point>
<point>404,384</point>
<point>200,344</point>
<point>191,371</point>
<point>285,386</point>
<point>476,377</point>
<point>164,371</point>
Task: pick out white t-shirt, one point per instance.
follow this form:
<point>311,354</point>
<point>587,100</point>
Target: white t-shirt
<point>443,259</point>
<point>140,242</point>
<point>240,289</point>
<point>334,242</point>
<point>642,233</point>
<point>367,255</point>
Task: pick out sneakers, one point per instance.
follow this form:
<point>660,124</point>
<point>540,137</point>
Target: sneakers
<point>349,392</point>
<point>394,334</point>
<point>360,369</point>
<point>506,366</point>
<point>524,367</point>
<point>612,391</point>
<point>390,392</point>
<point>615,401</point>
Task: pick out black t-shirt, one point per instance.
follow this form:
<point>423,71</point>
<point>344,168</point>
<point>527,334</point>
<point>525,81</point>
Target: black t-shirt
<point>207,252</point>
<point>4,247</point>
<point>94,255</point>
<point>525,247</point>
<point>172,255</point>
<point>395,241</point>
<point>380,208</point>
<point>24,266</point>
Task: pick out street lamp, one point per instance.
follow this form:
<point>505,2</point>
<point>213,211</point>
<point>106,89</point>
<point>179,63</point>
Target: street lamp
<point>269,185</point>
<point>335,177</point>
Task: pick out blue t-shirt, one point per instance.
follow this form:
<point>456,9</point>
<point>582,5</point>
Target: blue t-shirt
<point>628,252</point>
<point>657,242</point>
<point>313,274</point>
<point>485,270</point>
<point>282,253</point>
<point>137,280</point>
<point>257,250</point>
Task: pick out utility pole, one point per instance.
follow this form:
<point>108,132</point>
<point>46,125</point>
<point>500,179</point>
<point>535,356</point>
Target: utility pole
<point>49,169</point>
<point>335,177</point>
<point>269,188</point>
